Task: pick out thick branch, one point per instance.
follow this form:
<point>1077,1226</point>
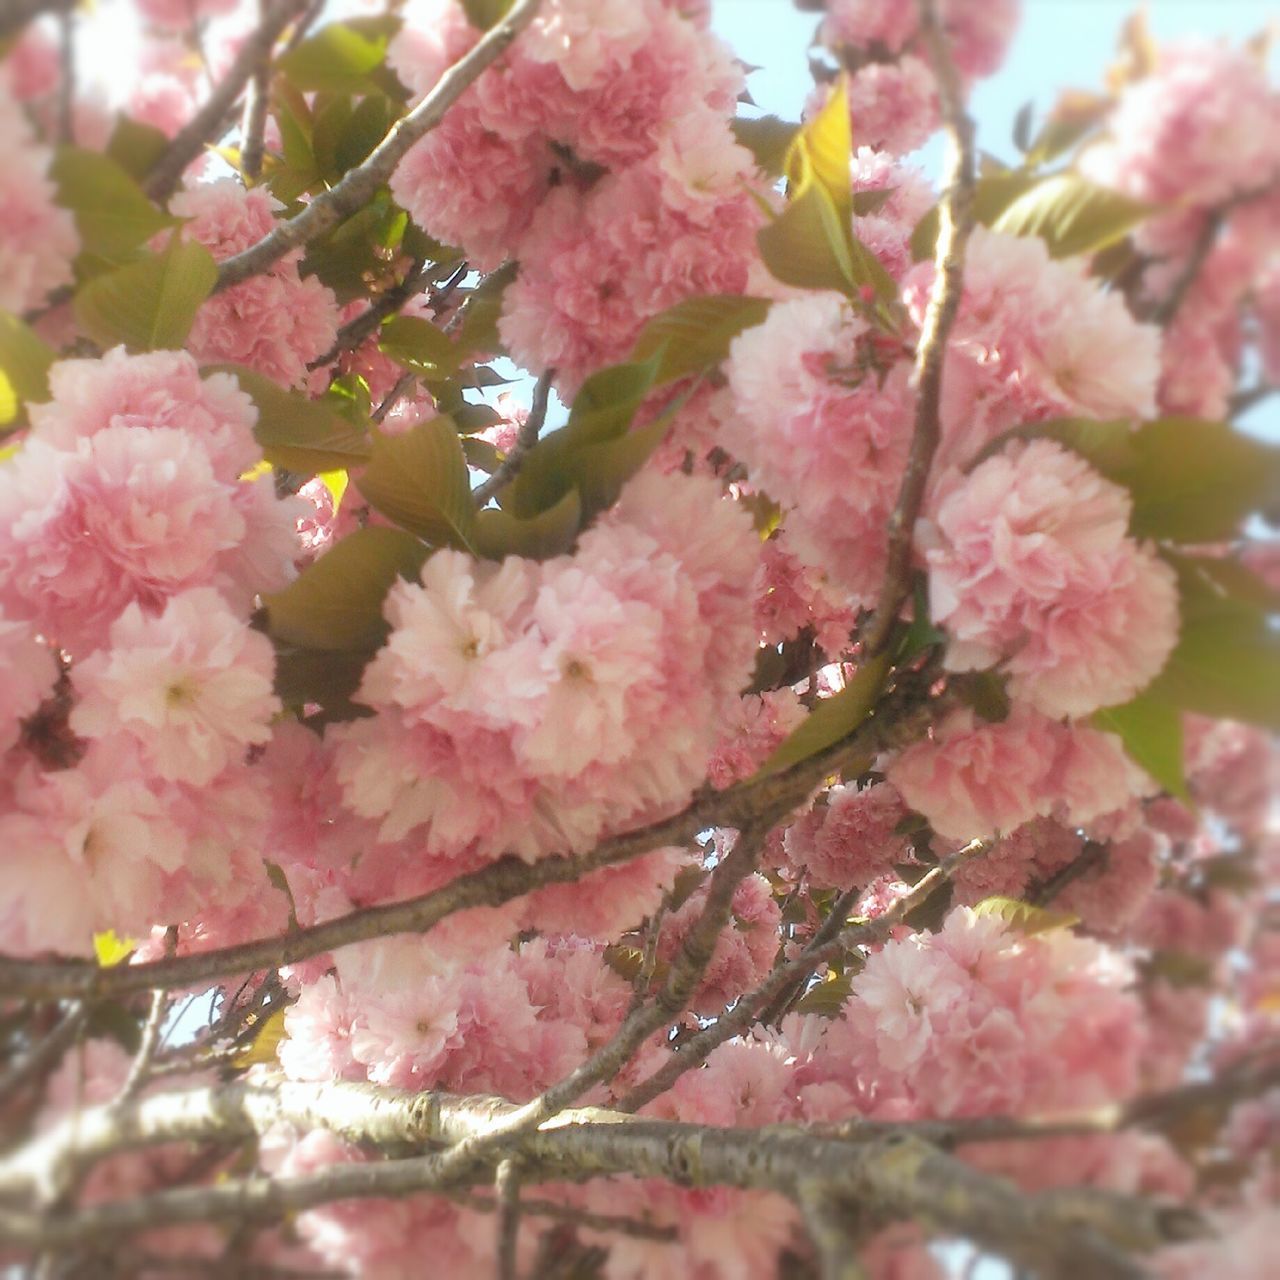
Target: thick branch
<point>902,718</point>
<point>254,54</point>
<point>360,184</point>
<point>955,221</point>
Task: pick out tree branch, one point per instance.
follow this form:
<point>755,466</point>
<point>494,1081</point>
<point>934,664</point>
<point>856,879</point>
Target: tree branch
<point>360,184</point>
<point>17,13</point>
<point>525,440</point>
<point>955,221</point>
<point>254,54</point>
<point>903,716</point>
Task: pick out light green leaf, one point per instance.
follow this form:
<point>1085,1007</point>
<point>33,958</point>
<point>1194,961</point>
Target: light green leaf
<point>822,151</point>
<point>499,534</point>
<point>696,333</point>
<point>1151,731</point>
<point>420,481</point>
<point>1023,917</point>
<point>136,146</point>
<point>601,470</point>
<point>337,59</point>
<point>827,998</point>
<point>417,343</point>
<point>608,400</point>
<point>768,138</point>
<point>336,602</point>
<point>992,194</point>
<point>24,368</point>
<point>831,719</point>
<point>148,304</point>
<point>1072,215</point>
<point>112,214</point>
<point>303,436</point>
<point>806,246</point>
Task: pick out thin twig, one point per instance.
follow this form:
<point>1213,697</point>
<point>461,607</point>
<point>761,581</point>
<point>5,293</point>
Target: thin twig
<point>1164,311</point>
<point>1093,855</point>
<point>506,1186</point>
<point>357,329</point>
<point>360,184</point>
<point>394,396</point>
<point>955,221</point>
<point>254,124</point>
<point>44,1056</point>
<point>207,122</point>
<point>526,438</point>
<point>140,1067</point>
<point>66,75</point>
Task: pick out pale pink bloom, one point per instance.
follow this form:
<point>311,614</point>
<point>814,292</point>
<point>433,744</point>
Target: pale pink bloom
<point>192,687</point>
<point>824,432</point>
<point>434,35</point>
<point>1244,1248</point>
<point>589,40</point>
<point>1234,770</point>
<point>850,840</point>
<point>37,238</point>
<point>1031,569</point>
<point>30,69</point>
<point>130,515</point>
<point>893,106</point>
<point>758,724</point>
<point>887,231</point>
<point>28,672</point>
<point>748,1081</point>
<point>179,15</point>
<point>278,321</point>
<point>1198,129</point>
<point>159,389</point>
<point>168,88</point>
<point>975,779</point>
<point>791,595</point>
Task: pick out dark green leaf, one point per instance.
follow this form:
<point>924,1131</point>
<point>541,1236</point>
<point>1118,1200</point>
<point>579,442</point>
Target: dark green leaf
<point>478,331</point>
<point>484,13</point>
<point>336,602</point>
<point>136,146</point>
<point>768,139</point>
<point>112,214</point>
<point>151,303</point>
<point>303,436</point>
<point>417,343</point>
<point>1151,731</point>
<point>696,333</point>
<point>550,533</point>
<point>420,481</point>
<point>1072,215</point>
<point>327,677</point>
<point>608,400</point>
<point>832,719</point>
<point>601,470</point>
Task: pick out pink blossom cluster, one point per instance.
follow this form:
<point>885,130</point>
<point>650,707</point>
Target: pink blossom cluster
<point>38,239</point>
<point>525,707</point>
<point>892,94</point>
<point>598,154</point>
<point>850,839</point>
<point>275,323</point>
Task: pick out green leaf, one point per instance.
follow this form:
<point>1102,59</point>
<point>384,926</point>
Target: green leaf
<point>992,194</point>
<point>1151,731</point>
<point>696,333</point>
<point>485,13</point>
<point>768,138</point>
<point>607,401</point>
<point>266,1044</point>
<point>337,59</point>
<point>420,481</point>
<point>550,533</point>
<point>601,470</point>
<point>148,304</point>
<point>303,436</point>
<point>1072,215</point>
<point>112,214</point>
<point>827,998</point>
<point>328,677</point>
<point>831,719</point>
<point>417,343</point>
<point>136,146</point>
<point>1227,661</point>
<point>1192,481</point>
<point>367,126</point>
<point>479,328</point>
<point>24,368</point>
<point>111,949</point>
<point>822,151</point>
<point>280,882</point>
<point>806,246</point>
<point>336,602</point>
<point>1023,917</point>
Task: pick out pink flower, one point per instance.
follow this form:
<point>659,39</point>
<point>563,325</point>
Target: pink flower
<point>28,672</point>
<point>275,323</point>
<point>37,238</point>
<point>849,841</point>
<point>191,687</point>
<point>1031,568</point>
<point>893,106</point>
<point>179,15</point>
<point>758,724</point>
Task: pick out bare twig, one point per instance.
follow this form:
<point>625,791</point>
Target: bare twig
<point>253,126</point>
<point>394,396</point>
<point>356,330</point>
<point>1163,312</point>
<point>506,1186</point>
<point>525,440</point>
<point>254,54</point>
<point>360,184</point>
<point>903,716</point>
<point>45,1055</point>
<point>1092,856</point>
<point>66,76</point>
<point>955,221</point>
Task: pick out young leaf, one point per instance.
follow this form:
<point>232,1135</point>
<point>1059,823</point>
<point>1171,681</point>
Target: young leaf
<point>1072,215</point>
<point>601,470</point>
<point>417,343</point>
<point>136,146</point>
<point>608,400</point>
<point>696,333</point>
<point>337,59</point>
<point>484,13</point>
<point>832,719</point>
<point>1023,917</point>
<point>768,138</point>
<point>336,602</point>
<point>267,1042</point>
<point>1151,731</point>
<point>110,949</point>
<point>148,304</point>
<point>805,245</point>
<point>420,481</point>
<point>303,436</point>
<point>822,152</point>
<point>992,194</point>
<point>24,368</point>
<point>112,214</point>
